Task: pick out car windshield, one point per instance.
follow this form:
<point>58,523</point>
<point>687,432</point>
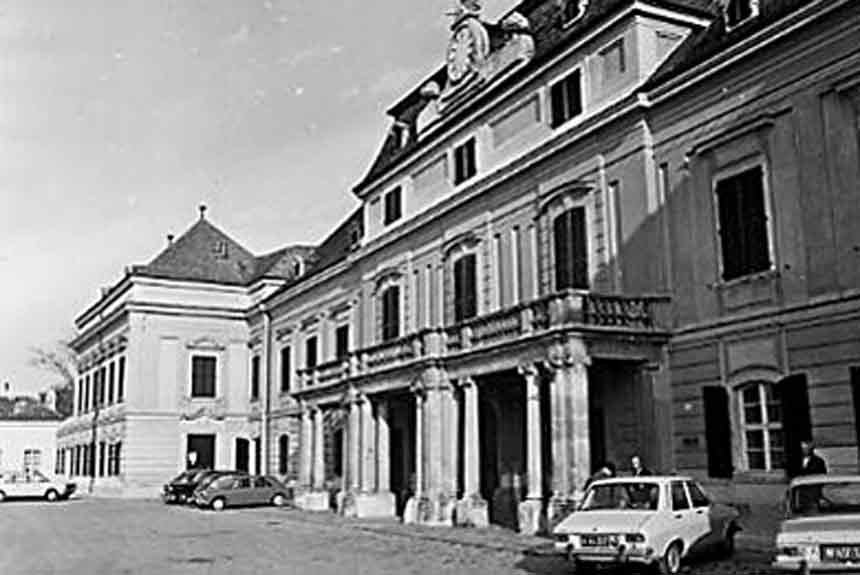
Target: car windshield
<point>634,495</point>
<point>183,477</point>
<point>825,498</point>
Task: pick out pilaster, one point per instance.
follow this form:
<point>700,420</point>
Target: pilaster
<point>472,509</point>
<point>531,510</point>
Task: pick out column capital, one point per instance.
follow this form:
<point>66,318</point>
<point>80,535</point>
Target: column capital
<point>528,370</point>
<point>466,382</point>
<point>569,352</point>
<point>350,397</point>
<point>418,388</point>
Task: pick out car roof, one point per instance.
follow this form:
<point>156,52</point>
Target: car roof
<point>816,479</point>
<point>642,479</point>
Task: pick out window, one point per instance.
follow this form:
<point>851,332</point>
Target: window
<point>286,369</point>
<point>32,458</point>
<point>255,377</point>
<point>572,10</point>
<point>111,383</point>
<point>761,418</point>
<point>566,99</point>
<point>102,385</point>
<point>203,376</point>
<point>102,456</point>
<point>86,402</point>
<point>390,301</point>
<point>79,396</point>
<point>697,496</point>
<point>739,10</point>
<point>120,381</point>
<point>571,250</point>
<point>679,496</point>
<point>311,351</point>
<point>464,161</point>
<point>613,59</point>
<point>283,454</point>
<point>393,208</point>
<point>743,224</point>
<point>117,458</point>
<point>465,290</point>
<point>341,341</point>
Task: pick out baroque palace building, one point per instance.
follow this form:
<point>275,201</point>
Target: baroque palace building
<point>600,228</point>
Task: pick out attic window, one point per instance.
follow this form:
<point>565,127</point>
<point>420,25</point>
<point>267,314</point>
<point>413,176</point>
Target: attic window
<point>400,132</point>
<point>220,249</point>
<point>298,267</point>
<point>573,9</point>
<point>738,11</point>
<point>354,237</point>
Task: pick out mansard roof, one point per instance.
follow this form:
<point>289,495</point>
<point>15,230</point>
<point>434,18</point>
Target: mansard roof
<point>25,408</point>
<point>550,33</point>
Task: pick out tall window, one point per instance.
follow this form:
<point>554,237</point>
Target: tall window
<point>743,224</point>
<point>102,385</point>
<point>111,383</point>
<point>283,454</point>
<point>739,10</point>
<point>390,302</point>
<point>393,206</point>
<point>464,161</point>
<point>571,249</point>
<point>286,369</point>
<point>566,98</point>
<point>255,377</point>
<point>102,458</point>
<point>341,341</point>
<point>120,381</point>
<point>87,396</point>
<point>203,376</point>
<point>32,458</point>
<point>572,10</point>
<point>465,290</point>
<point>761,418</point>
<point>311,351</point>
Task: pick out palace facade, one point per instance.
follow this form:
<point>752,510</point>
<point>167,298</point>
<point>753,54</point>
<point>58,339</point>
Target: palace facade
<point>601,228</point>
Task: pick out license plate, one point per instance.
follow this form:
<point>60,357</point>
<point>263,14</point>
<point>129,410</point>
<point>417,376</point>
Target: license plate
<point>840,553</point>
<point>596,541</point>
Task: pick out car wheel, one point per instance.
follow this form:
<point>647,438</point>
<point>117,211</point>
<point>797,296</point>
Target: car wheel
<point>670,564</point>
<point>279,500</point>
<point>52,495</point>
<point>218,504</point>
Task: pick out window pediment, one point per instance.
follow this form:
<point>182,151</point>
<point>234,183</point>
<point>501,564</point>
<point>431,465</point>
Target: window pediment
<point>206,343</point>
<point>463,242</point>
<point>565,196</point>
<point>385,278</point>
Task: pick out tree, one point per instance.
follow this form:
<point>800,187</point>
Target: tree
<point>59,360</point>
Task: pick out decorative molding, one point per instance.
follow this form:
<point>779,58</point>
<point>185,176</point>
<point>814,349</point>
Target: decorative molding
<point>568,352</point>
<point>390,274</point>
<point>467,240</point>
<point>571,191</point>
<point>194,409</point>
<point>205,343</point>
<point>741,128</point>
<point>282,332</point>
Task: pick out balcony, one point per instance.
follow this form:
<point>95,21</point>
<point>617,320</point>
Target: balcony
<point>566,309</point>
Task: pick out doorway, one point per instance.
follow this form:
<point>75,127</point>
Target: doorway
<point>242,453</point>
<point>401,420</point>
<point>200,451</point>
<point>855,393</point>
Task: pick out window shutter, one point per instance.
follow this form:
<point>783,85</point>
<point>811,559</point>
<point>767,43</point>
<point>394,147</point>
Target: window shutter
<point>470,304</point>
<point>796,422</point>
<point>561,236</point>
<point>718,432</point>
<point>557,104</point>
<point>580,248</point>
<point>458,290</point>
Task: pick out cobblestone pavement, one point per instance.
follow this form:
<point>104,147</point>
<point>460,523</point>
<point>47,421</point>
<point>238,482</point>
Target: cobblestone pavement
<point>111,537</point>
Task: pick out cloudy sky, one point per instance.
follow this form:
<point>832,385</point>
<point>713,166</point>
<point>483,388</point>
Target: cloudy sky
<point>119,117</point>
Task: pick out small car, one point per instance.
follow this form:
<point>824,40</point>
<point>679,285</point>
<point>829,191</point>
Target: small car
<point>655,521</point>
<point>181,488</point>
<point>34,485</point>
<point>821,530</point>
<point>241,489</point>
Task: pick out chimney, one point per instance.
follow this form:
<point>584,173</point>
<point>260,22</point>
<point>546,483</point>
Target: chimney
<point>6,390</point>
<point>170,239</point>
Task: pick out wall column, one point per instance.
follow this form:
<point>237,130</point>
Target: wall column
<point>354,444</point>
<point>472,510</point>
<point>368,445</point>
<point>307,446</point>
<point>319,451</point>
<point>383,463</point>
<point>530,509</point>
<point>410,513</point>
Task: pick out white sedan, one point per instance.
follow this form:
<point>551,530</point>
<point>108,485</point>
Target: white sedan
<point>657,521</point>
<point>33,484</point>
<point>821,532</point>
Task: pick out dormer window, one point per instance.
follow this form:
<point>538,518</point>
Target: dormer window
<point>465,166</point>
<point>573,9</point>
<point>566,99</point>
<point>298,267</point>
<point>393,206</point>
<point>737,11</point>
<point>400,133</point>
<point>219,248</point>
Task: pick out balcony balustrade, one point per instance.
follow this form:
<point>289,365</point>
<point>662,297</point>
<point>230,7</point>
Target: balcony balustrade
<point>557,310</point>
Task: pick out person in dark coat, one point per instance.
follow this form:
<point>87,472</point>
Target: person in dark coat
<point>606,471</point>
<point>636,467</point>
<point>812,463</point>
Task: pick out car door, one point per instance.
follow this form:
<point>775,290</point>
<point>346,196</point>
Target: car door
<point>12,485</point>
<point>241,494</point>
<point>684,519</point>
<point>704,525</point>
<point>262,492</point>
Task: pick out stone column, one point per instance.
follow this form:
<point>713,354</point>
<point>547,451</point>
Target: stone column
<point>307,446</point>
<point>530,509</point>
<point>571,447</point>
<point>383,463</point>
<point>319,452</point>
<point>472,510</point>
<point>411,512</point>
<point>368,446</point>
<point>354,458</point>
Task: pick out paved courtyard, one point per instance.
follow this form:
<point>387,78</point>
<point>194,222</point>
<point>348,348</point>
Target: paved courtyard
<point>112,537</point>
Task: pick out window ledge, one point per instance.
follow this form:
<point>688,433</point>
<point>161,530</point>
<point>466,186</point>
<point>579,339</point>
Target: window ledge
<point>766,275</point>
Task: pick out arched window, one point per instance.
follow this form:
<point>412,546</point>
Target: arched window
<point>761,424</point>
<point>283,454</point>
<point>465,288</point>
<point>571,249</point>
<point>389,301</point>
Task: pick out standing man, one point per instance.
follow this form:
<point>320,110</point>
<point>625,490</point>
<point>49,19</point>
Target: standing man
<point>812,463</point>
<point>637,468</point>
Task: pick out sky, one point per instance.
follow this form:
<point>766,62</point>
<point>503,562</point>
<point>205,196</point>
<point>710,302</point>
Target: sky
<point>119,117</point>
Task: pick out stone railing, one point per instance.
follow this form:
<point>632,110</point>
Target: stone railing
<point>569,307</point>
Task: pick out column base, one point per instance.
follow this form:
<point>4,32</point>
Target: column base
<point>560,507</point>
<point>313,501</point>
<point>364,505</point>
<point>531,518</point>
<point>430,510</point>
<point>472,511</point>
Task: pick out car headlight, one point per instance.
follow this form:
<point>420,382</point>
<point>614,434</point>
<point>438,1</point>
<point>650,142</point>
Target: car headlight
<point>634,537</point>
<point>561,537</point>
<point>790,551</point>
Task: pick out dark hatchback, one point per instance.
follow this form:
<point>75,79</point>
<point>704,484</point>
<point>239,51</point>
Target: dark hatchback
<point>181,488</point>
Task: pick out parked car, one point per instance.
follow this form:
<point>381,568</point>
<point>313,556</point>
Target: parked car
<point>240,489</point>
<point>34,485</point>
<point>821,531</point>
<point>656,521</point>
<point>181,488</point>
